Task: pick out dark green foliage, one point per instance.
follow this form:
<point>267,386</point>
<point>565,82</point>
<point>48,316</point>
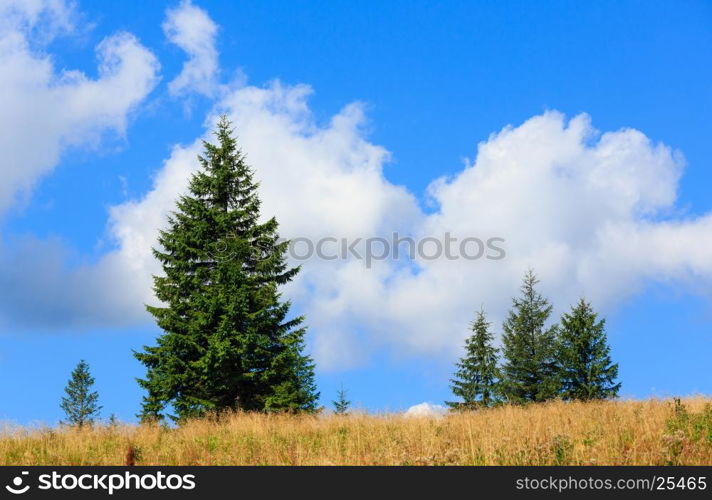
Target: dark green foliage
<point>80,404</point>
<point>341,404</point>
<point>227,341</point>
<point>476,377</point>
<point>529,371</point>
<point>586,371</point>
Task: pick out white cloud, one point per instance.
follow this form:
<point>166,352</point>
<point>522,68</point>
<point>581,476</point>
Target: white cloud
<point>45,111</point>
<point>55,16</point>
<point>582,208</point>
<point>595,214</point>
<point>190,28</point>
<point>590,212</point>
<point>325,170</point>
<point>425,410</point>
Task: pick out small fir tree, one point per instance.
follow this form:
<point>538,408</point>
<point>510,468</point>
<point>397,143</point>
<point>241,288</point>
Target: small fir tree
<point>585,368</point>
<point>341,404</point>
<point>477,374</point>
<point>80,405</point>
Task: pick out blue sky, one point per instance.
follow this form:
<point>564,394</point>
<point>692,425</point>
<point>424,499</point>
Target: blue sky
<point>430,83</point>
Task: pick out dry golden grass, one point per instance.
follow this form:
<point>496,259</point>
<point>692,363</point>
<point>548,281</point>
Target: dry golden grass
<point>650,432</point>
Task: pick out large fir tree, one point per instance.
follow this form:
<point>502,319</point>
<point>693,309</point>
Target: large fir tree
<point>476,377</point>
<point>80,405</point>
<point>585,367</point>
<point>529,371</point>
<point>227,342</point>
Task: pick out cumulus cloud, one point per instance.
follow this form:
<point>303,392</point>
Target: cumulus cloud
<point>425,410</point>
<point>593,213</point>
<point>190,28</point>
<point>55,16</point>
<point>44,110</point>
<point>39,291</point>
<point>325,170</point>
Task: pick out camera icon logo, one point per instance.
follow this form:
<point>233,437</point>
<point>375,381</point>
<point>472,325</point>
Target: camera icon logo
<point>16,488</point>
